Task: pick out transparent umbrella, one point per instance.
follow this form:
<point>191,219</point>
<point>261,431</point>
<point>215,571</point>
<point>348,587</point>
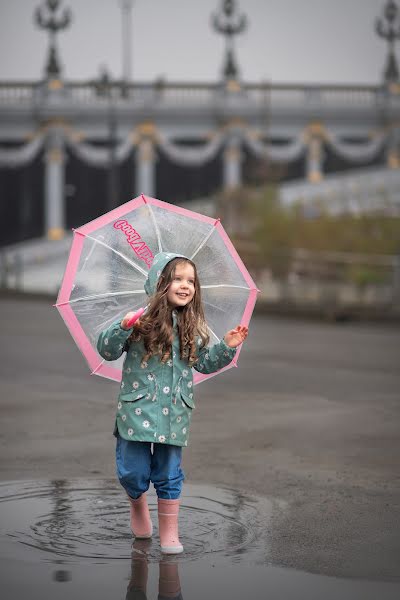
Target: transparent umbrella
<point>111,256</point>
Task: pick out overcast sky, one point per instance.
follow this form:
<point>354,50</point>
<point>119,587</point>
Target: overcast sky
<point>327,41</point>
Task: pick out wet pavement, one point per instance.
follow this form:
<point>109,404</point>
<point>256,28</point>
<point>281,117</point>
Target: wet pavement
<point>292,474</point>
<point>71,539</point>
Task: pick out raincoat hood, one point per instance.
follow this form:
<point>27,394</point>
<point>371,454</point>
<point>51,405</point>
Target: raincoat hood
<point>159,262</point>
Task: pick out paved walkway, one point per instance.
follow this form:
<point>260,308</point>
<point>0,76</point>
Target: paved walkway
<point>311,419</point>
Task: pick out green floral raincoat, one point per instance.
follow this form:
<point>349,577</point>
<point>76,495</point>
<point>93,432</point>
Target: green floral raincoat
<point>156,399</point>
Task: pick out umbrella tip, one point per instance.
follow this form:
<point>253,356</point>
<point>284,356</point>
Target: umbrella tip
<point>218,220</point>
<point>259,291</point>
<point>144,198</point>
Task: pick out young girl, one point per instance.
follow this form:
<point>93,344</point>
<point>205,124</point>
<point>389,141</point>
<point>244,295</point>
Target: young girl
<point>155,401</point>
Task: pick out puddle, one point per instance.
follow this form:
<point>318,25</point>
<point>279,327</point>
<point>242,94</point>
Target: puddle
<point>71,539</point>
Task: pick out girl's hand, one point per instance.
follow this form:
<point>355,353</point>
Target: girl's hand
<point>236,336</point>
<point>130,318</point>
<point>126,319</point>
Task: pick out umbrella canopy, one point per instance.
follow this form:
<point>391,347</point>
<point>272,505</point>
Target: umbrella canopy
<point>111,256</point>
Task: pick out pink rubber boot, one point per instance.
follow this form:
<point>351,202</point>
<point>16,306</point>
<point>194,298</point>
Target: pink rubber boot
<point>168,511</point>
<point>141,524</point>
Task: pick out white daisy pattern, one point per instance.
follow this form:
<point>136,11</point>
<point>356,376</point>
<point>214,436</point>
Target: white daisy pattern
<point>166,390</point>
<point>190,383</point>
<point>173,436</point>
<point>161,438</point>
<point>107,354</point>
<point>178,419</point>
<point>150,377</point>
<point>138,411</point>
<point>144,365</point>
<point>165,411</point>
<point>185,373</point>
<point>122,384</point>
<point>135,385</point>
<point>190,395</point>
<point>128,370</point>
<point>185,442</point>
<point>169,363</point>
<point>106,341</point>
<point>130,432</point>
<point>148,396</point>
<point>184,430</point>
<point>119,405</point>
<point>146,424</point>
<point>123,417</point>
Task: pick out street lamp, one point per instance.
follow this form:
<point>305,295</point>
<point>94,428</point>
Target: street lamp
<point>390,32</point>
<point>229,25</point>
<point>45,18</point>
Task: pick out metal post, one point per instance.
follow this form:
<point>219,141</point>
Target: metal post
<point>112,178</point>
<point>104,88</point>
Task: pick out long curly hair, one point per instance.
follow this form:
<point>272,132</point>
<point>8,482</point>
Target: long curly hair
<point>155,326</point>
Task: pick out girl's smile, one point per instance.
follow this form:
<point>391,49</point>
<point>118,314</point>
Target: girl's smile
<point>181,290</point>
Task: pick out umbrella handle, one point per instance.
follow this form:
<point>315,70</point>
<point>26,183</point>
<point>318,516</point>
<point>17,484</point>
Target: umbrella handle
<point>135,317</point>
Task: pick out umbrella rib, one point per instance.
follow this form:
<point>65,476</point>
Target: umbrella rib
<point>107,295</point>
<point>153,218</point>
<point>224,285</point>
<point>209,234</point>
<point>98,367</point>
<point>134,265</point>
<point>213,332</point>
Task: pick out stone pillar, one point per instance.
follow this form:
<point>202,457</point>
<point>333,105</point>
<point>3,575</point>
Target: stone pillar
<point>315,159</point>
<point>232,174</point>
<point>393,151</point>
<point>54,185</point>
<point>145,167</point>
<point>315,135</point>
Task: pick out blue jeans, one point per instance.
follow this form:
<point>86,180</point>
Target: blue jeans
<point>137,466</point>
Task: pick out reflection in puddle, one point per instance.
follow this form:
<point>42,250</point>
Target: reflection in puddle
<point>71,539</point>
<point>90,520</point>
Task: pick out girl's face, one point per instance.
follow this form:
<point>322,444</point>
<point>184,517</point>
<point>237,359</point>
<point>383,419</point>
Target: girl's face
<point>182,287</point>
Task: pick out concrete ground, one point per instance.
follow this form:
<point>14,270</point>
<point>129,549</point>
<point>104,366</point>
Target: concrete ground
<point>311,417</point>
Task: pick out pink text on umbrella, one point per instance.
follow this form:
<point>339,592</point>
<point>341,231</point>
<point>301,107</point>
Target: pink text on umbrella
<point>134,240</point>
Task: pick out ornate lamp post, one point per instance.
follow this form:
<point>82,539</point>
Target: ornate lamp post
<point>390,32</point>
<point>45,17</point>
<point>229,24</point>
